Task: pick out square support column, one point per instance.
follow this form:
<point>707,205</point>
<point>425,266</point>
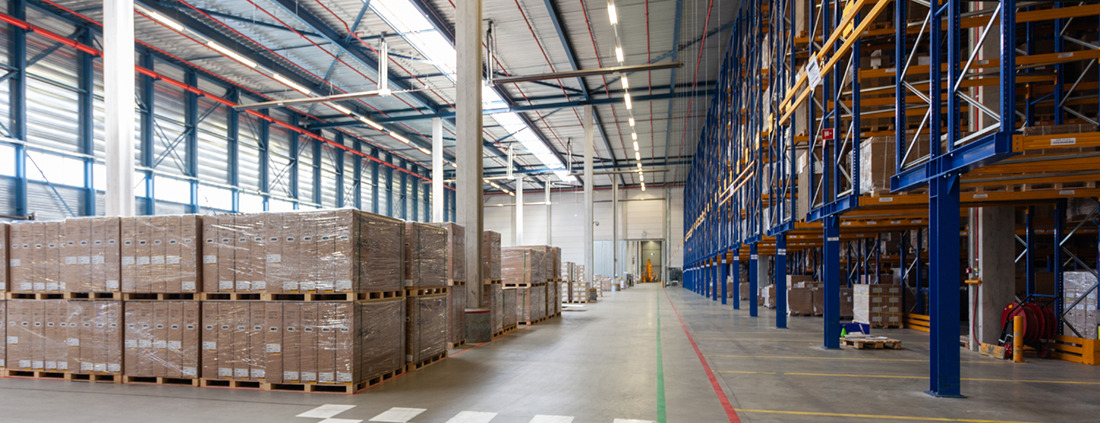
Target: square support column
<point>831,262</point>
<point>754,292</point>
<point>943,246</point>
<point>781,281</point>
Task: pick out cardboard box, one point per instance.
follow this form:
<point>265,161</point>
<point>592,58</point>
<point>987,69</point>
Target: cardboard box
<point>210,253</point>
<point>274,275</point>
<point>211,339</point>
<point>292,252</point>
<point>256,356</point>
<point>456,251</point>
<point>241,335</point>
<point>292,347</point>
<point>800,302</point>
<point>308,345</point>
<point>425,255</point>
<point>326,342</point>
<point>381,253</point>
<point>273,341</point>
<point>307,261</point>
<point>4,322</point>
<point>346,351</point>
<point>491,251</point>
<point>257,254</point>
<point>4,243</point>
<point>426,330</point>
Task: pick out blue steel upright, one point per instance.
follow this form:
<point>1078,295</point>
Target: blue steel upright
<point>722,276</point>
<point>781,281</point>
<point>754,293</point>
<point>831,262</point>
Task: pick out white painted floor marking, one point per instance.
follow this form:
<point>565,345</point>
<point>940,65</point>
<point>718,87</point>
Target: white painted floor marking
<point>326,411</point>
<point>552,419</point>
<point>472,417</point>
<point>398,415</point>
<point>633,421</point>
<point>334,420</point>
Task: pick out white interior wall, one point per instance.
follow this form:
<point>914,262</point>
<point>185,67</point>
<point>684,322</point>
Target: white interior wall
<point>639,212</point>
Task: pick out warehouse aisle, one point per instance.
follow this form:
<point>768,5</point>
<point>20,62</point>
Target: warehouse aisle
<point>597,363</point>
<point>783,375</point>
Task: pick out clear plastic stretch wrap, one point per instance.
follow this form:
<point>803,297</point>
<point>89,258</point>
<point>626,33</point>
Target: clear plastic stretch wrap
<point>76,255</point>
<point>161,338</point>
<point>568,271</point>
<point>490,250</point>
<point>496,306</point>
<point>525,307</point>
<point>554,303</point>
<point>877,161</point>
<point>160,254</point>
<point>426,327</point>
<point>547,262</point>
<point>3,333</point>
<point>425,255</point>
<point>341,250</point>
<point>456,251</point>
<point>4,229</point>
<point>73,336</point>
<point>521,265</point>
<point>1083,317</point>
<point>302,342</point>
<point>456,314</point>
<point>877,305</point>
<point>539,303</point>
<point>556,266</point>
<point>508,307</point>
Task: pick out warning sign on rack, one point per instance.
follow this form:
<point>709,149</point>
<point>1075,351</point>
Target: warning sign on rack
<point>813,71</point>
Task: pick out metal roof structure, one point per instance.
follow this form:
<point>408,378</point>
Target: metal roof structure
<point>290,49</point>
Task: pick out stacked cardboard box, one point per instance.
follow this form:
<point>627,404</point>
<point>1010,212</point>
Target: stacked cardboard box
<point>522,266</point>
<point>1084,316</point>
<point>160,254</point>
<point>4,229</point>
<point>490,250</point>
<point>767,296</point>
<point>3,333</point>
<point>800,301</point>
<point>456,251</point>
<point>318,251</point>
<point>161,339</point>
<point>509,317</point>
<point>530,303</point>
<point>743,290</point>
<point>72,336</point>
<point>76,255</point>
<point>494,293</point>
<point>549,262</point>
<point>568,277</point>
<point>425,328</point>
<point>846,302</point>
<point>456,314</point>
<point>877,305</point>
<point>553,298</point>
<point>337,343</point>
<point>877,161</point>
<point>425,255</point>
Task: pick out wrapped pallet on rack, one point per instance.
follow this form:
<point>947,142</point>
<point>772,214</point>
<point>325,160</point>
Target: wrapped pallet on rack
<point>425,259</point>
<point>75,258</point>
<point>159,257</point>
<point>161,342</point>
<point>65,339</point>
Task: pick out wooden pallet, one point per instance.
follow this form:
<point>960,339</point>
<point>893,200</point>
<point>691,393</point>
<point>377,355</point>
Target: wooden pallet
<point>426,362</point>
<point>160,380</point>
<point>321,388</point>
<point>34,296</point>
<point>455,346</point>
<point>887,325</point>
<point>93,295</point>
<point>505,331</point>
<point>491,281</point>
<point>455,283</point>
<point>524,285</point>
<point>333,296</point>
<point>532,322</point>
<point>67,376</point>
<point>230,296</point>
<point>230,383</point>
<point>878,344</point>
<point>420,292</point>
<point>161,296</point>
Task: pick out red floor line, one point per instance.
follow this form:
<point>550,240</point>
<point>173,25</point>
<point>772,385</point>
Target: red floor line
<point>730,412</point>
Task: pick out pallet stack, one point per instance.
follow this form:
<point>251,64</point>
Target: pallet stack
<point>877,305</point>
<point>527,273</point>
<point>456,284</point>
<point>493,296</point>
<point>426,294</point>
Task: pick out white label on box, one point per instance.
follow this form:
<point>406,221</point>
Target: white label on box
<point>112,284</point>
<point>160,344</point>
<point>343,285</point>
<point>225,285</point>
<point>274,258</point>
<point>408,358</point>
<point>69,261</point>
<point>98,260</point>
<point>39,286</point>
<point>2,364</point>
<point>259,285</point>
<point>15,262</point>
<point>309,286</point>
<point>3,286</point>
<point>225,372</point>
<point>25,286</point>
<point>100,367</point>
<point>240,373</point>
<point>210,345</point>
<point>187,286</point>
<point>128,261</point>
<point>190,371</point>
<point>343,377</point>
<point>156,260</point>
<point>172,259</point>
<point>258,373</point>
<point>145,343</point>
<point>13,340</point>
<point>309,376</point>
<point>73,342</point>
<point>408,282</point>
<point>290,286</point>
<point>114,367</point>
<point>290,375</point>
<point>274,348</point>
<point>131,343</point>
<point>325,286</point>
<point>86,367</point>
<point>326,377</point>
<point>63,365</point>
<point>24,363</point>
<point>51,286</point>
<point>244,285</point>
<point>51,365</point>
<point>143,260</point>
<point>211,259</point>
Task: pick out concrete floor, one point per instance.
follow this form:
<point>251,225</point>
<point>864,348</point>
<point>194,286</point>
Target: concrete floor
<point>600,363</point>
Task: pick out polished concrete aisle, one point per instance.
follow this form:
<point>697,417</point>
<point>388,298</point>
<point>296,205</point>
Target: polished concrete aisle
<point>783,375</point>
<point>597,363</point>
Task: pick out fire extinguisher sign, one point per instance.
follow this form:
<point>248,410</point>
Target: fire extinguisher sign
<point>827,134</point>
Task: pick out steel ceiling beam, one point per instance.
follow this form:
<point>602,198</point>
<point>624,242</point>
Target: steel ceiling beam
<point>579,73</point>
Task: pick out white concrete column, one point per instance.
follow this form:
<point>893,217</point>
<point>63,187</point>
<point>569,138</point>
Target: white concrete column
<point>589,211</point>
<point>437,170</point>
<point>468,109</point>
<point>616,272</point>
<point>119,101</point>
<point>668,237</point>
<point>549,232</point>
<point>517,211</point>
<point>993,252</point>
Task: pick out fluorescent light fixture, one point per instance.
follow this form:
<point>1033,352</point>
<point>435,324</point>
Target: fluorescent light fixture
<point>339,108</point>
<point>290,83</point>
<point>637,156</point>
<point>643,186</point>
<point>635,146</point>
<point>162,19</point>
<point>634,136</point>
<point>639,164</point>
<point>231,54</point>
<point>611,13</point>
<point>642,176</point>
<point>626,83</point>
<point>424,150</point>
<point>398,137</point>
<point>370,123</point>
<point>629,105</point>
<point>619,54</point>
<point>631,122</point>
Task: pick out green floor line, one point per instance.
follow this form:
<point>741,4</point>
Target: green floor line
<point>660,371</point>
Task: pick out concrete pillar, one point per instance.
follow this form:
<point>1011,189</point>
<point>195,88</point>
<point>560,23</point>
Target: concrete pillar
<point>589,211</point>
<point>616,273</point>
<point>118,97</point>
<point>668,238</point>
<point>470,210</point>
<point>517,214</point>
<point>549,232</point>
<point>438,200</point>
<point>993,251</point>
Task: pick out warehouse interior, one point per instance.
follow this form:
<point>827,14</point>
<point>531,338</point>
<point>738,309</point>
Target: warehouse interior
<point>549,211</point>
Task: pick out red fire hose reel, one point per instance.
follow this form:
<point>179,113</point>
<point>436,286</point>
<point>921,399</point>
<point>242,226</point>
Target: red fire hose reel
<point>1039,327</point>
